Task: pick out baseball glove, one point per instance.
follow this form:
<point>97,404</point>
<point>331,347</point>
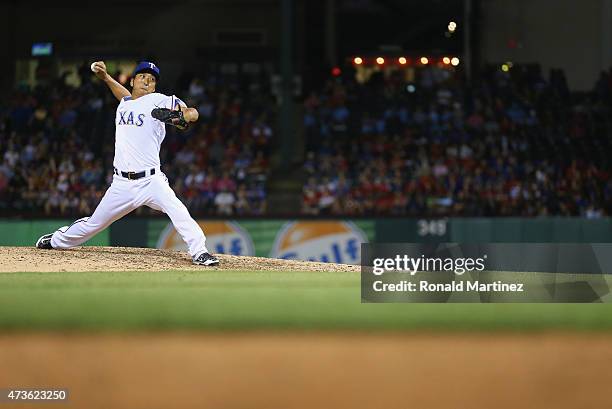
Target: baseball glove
<point>170,117</point>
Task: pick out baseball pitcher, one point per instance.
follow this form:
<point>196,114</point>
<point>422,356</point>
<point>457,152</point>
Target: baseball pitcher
<point>140,124</point>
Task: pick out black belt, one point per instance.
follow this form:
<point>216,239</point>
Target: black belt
<point>134,175</point>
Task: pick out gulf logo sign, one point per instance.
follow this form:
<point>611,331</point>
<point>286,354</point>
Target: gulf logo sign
<point>221,237</point>
<point>326,241</point>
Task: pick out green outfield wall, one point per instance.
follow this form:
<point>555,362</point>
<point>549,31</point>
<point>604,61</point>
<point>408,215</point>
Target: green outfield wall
<point>327,240</point>
<point>26,232</point>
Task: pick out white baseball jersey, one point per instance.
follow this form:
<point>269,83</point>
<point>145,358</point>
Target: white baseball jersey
<point>138,135</point>
<point>138,138</point>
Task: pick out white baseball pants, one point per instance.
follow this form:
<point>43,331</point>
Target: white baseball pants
<point>121,198</point>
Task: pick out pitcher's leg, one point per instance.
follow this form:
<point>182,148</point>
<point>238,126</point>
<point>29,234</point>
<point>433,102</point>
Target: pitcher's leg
<point>163,197</point>
<point>114,205</point>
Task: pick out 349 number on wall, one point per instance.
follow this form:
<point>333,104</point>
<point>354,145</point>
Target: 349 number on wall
<point>436,227</point>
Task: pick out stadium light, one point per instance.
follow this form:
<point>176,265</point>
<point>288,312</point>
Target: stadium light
<point>424,60</point>
<point>402,60</point>
<point>505,67</point>
<point>446,60</point>
<point>452,26</point>
<point>358,60</point>
<point>455,61</point>
<point>380,61</point>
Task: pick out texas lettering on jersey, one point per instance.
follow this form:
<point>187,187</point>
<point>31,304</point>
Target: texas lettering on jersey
<point>127,118</point>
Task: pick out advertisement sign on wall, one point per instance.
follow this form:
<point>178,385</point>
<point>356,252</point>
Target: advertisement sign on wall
<point>326,241</point>
<point>222,237</point>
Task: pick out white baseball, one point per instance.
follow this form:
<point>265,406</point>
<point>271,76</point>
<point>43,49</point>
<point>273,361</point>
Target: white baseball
<point>93,67</point>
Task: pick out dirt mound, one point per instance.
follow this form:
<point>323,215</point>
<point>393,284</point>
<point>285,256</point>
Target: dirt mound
<point>16,259</point>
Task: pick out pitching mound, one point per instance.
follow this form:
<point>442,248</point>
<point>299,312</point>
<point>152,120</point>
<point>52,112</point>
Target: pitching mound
<point>16,259</point>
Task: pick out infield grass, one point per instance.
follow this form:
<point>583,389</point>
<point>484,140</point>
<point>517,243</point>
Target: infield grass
<point>239,300</point>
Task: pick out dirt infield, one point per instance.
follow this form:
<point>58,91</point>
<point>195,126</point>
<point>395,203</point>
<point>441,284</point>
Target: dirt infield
<point>294,371</point>
<point>18,259</point>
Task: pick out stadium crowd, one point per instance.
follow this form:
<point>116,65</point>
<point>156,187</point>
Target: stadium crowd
<point>506,144</point>
<point>57,145</point>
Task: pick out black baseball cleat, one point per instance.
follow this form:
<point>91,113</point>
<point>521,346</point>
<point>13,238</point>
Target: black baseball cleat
<point>44,242</point>
<point>206,259</point>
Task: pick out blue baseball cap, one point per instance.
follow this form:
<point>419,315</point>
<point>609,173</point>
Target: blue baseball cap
<point>146,66</point>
